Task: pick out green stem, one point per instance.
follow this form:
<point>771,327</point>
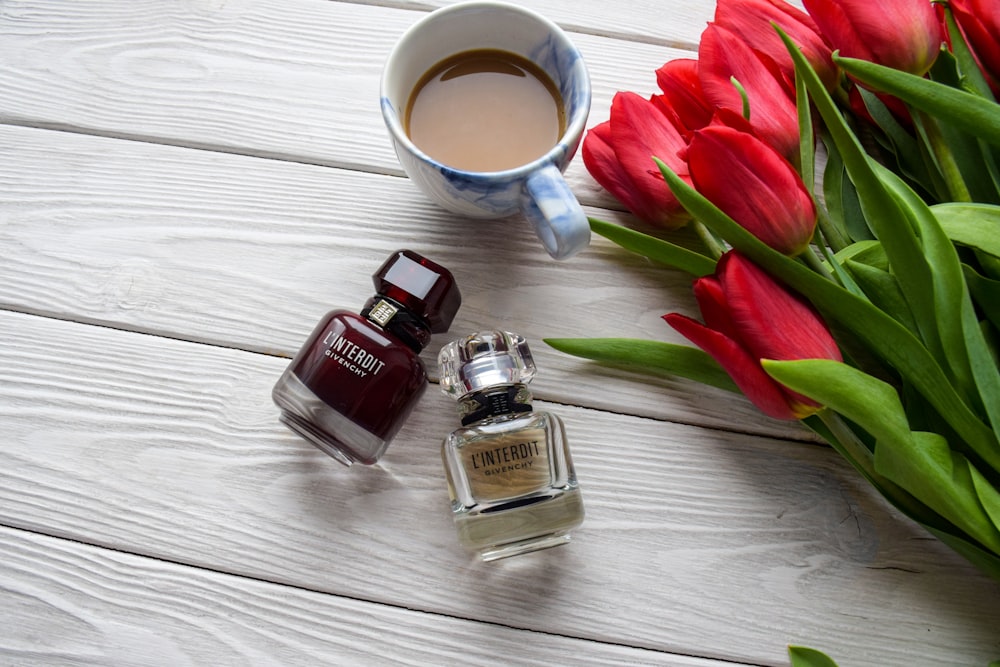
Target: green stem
<point>858,452</point>
<point>944,157</point>
<point>712,244</point>
<point>833,234</point>
<point>815,263</point>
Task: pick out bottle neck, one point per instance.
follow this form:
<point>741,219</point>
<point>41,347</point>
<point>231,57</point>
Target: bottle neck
<point>494,402</point>
<point>397,320</point>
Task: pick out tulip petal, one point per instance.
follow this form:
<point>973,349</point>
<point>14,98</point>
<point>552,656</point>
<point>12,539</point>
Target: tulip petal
<point>712,304</point>
<point>638,133</point>
<point>745,370</point>
<point>979,21</point>
<point>754,185</point>
<point>903,34</point>
<point>723,56</point>
<point>752,21</point>
<point>602,163</point>
<point>682,94</point>
<point>774,323</point>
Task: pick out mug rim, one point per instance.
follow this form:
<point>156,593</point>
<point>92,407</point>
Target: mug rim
<point>568,140</point>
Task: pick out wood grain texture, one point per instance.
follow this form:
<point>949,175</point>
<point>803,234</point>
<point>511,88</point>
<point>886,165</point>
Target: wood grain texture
<point>67,603</point>
<point>290,79</point>
<point>249,253</point>
<point>696,542</point>
<point>154,280</point>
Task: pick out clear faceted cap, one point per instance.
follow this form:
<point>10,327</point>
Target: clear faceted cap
<point>482,360</point>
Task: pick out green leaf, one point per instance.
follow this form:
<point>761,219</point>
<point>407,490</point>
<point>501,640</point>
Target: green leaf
<point>985,561</point>
<point>807,139</point>
<point>921,463</point>
<point>648,356</point>
<point>984,372</point>
<point>660,251</point>
<point>985,292</point>
<point>904,146</point>
<point>883,291</point>
<point>972,113</point>
<point>841,197</point>
<point>959,146</point>
<point>967,355</point>
<point>949,291</point>
<point>870,253</point>
<point>802,656</point>
<point>989,497</point>
<point>868,401</point>
<point>989,264</point>
<point>943,479</point>
<point>972,225</point>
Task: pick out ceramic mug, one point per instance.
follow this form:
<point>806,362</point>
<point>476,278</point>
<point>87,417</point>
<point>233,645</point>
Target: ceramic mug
<point>537,188</point>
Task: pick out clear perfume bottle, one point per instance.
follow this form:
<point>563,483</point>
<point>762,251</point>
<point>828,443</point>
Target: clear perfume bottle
<point>357,377</point>
<point>510,476</point>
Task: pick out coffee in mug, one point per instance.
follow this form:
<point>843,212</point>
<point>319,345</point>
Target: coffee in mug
<point>485,110</point>
<point>507,95</point>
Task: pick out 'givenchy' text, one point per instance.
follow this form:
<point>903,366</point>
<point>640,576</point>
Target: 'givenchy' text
<point>351,356</point>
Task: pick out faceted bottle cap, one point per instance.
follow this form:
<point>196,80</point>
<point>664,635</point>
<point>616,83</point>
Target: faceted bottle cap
<point>482,360</point>
<point>426,289</point>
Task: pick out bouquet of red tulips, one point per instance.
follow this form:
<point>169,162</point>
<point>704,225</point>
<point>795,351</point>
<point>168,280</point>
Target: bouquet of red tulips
<point>861,297</point>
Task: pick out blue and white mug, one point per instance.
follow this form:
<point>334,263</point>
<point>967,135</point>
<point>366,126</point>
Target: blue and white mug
<point>537,188</point>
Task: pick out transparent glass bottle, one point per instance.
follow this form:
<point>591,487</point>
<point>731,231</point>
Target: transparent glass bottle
<point>510,476</point>
<point>358,376</point>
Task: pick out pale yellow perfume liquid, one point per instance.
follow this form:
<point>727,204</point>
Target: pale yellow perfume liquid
<point>512,485</point>
<point>507,532</point>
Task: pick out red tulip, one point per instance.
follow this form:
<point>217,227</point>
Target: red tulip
<point>723,56</point>
<point>748,317</point>
<point>682,99</point>
<point>753,184</point>
<point>980,23</point>
<point>902,34</point>
<point>751,21</point>
<point>619,155</point>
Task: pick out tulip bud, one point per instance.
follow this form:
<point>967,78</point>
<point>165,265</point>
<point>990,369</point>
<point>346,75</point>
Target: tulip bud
<point>619,155</point>
<point>751,21</point>
<point>902,34</point>
<point>750,316</point>
<point>722,57</point>
<point>979,21</point>
<point>754,185</point>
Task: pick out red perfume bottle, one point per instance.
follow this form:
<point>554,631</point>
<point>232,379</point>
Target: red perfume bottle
<point>357,377</point>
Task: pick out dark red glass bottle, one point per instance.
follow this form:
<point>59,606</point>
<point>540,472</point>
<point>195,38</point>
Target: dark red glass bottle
<point>358,377</point>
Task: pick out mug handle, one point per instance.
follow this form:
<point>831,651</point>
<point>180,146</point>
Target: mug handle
<point>554,212</point>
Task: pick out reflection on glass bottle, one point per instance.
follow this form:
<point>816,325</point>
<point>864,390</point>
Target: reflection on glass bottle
<point>510,476</point>
<point>358,377</point>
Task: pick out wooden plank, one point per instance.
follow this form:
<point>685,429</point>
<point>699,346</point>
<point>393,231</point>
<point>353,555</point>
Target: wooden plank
<point>69,603</point>
<point>249,253</point>
<point>670,22</point>
<point>694,538</point>
<point>289,79</point>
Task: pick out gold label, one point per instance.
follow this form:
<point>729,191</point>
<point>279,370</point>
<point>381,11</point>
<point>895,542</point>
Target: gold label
<point>507,465</point>
<point>382,312</point>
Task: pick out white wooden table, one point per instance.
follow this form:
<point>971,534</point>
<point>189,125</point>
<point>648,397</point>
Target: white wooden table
<point>186,186</point>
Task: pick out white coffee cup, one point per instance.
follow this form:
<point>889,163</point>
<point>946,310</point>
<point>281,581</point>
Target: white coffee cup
<point>536,188</point>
